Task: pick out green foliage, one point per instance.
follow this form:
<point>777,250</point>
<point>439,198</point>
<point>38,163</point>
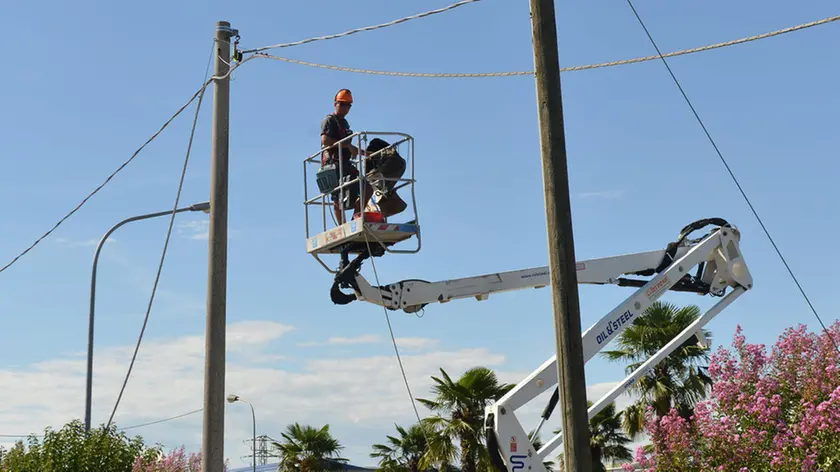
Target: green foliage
<point>403,453</point>
<point>307,449</point>
<point>606,438</point>
<point>460,418</point>
<point>679,381</point>
<point>72,450</point>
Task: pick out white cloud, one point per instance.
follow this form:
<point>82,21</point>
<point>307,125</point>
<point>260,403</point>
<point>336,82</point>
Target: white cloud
<point>248,333</point>
<point>67,242</point>
<point>416,343</point>
<point>194,229</point>
<point>364,339</point>
<point>199,230</point>
<point>360,397</point>
<point>167,380</point>
<point>407,344</point>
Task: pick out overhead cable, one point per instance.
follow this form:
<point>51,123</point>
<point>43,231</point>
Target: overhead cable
<point>394,340</point>
<point>161,421</point>
<point>407,74</point>
<point>124,164</point>
<point>357,30</point>
<point>403,74</point>
<point>97,189</point>
<point>460,75</point>
<point>732,174</point>
<point>118,429</point>
<point>165,244</point>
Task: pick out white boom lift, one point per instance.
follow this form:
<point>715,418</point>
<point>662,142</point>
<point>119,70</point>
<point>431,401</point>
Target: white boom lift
<point>719,266</point>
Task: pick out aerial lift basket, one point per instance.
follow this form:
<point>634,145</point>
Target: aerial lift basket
<point>369,233</point>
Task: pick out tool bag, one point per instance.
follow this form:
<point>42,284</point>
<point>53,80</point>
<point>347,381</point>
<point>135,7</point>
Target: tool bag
<point>387,164</point>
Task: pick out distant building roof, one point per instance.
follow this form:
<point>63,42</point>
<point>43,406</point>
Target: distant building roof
<point>273,468</point>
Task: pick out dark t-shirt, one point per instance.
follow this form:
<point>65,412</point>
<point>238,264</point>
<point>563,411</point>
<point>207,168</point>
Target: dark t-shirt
<point>336,128</point>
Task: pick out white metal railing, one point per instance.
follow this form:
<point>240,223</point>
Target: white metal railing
<point>324,199</point>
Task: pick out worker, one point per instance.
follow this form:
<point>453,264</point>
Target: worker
<point>334,128</point>
<point>385,164</point>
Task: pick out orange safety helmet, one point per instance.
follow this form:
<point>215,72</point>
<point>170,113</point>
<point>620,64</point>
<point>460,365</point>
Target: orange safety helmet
<point>344,96</point>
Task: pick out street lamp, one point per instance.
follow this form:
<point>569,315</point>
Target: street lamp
<point>204,206</point>
<point>235,398</point>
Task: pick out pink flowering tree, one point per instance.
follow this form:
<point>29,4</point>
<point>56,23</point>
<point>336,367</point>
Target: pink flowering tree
<point>777,410</point>
<point>176,461</point>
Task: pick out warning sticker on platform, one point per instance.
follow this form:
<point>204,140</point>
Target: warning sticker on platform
<point>334,234</point>
<point>580,266</point>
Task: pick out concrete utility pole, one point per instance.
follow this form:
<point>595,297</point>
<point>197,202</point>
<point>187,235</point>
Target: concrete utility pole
<point>561,250</point>
<point>213,432</point>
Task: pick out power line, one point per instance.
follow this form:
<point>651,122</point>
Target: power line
<point>403,74</point>
<point>199,92</point>
<point>161,421</point>
<point>118,429</point>
<point>366,28</point>
<point>732,174</point>
<point>166,243</point>
<point>204,86</point>
<point>68,215</point>
<point>394,74</point>
<point>393,338</point>
<point>460,75</point>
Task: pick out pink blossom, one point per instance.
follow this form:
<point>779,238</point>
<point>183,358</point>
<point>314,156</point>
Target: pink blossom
<point>176,461</point>
<point>766,411</point>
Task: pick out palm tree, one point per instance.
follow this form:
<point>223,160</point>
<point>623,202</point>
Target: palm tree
<point>460,406</point>
<point>402,453</point>
<point>678,381</point>
<point>606,440</point>
<point>309,449</point>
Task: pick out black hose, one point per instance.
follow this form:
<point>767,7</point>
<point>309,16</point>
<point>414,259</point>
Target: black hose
<point>493,445</point>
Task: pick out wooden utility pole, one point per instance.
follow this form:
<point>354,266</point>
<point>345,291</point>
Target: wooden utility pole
<point>213,431</point>
<point>561,250</point>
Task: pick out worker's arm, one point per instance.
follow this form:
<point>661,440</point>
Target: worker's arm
<point>327,142</point>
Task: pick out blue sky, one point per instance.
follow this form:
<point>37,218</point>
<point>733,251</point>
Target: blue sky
<point>86,85</point>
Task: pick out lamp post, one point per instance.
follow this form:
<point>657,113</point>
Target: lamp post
<point>235,398</point>
<point>204,206</point>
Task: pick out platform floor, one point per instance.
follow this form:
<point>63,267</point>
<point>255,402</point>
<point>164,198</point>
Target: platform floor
<point>353,233</point>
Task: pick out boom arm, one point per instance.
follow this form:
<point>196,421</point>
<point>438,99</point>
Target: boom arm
<point>412,295</point>
<point>720,266</point>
